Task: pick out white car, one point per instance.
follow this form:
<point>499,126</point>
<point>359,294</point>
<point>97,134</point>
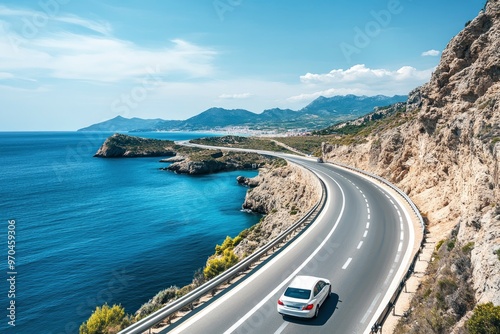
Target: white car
<point>304,296</point>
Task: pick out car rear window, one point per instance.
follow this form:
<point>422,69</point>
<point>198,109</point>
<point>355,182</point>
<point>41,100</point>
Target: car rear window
<point>298,293</point>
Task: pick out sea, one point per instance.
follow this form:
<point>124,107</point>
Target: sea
<point>77,232</point>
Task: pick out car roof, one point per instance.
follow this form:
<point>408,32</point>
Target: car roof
<point>305,281</point>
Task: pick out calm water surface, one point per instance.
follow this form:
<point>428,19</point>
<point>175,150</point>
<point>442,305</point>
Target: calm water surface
<point>91,231</point>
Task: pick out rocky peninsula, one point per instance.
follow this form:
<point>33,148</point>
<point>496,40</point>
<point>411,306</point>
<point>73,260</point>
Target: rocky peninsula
<point>283,193</point>
<point>125,146</point>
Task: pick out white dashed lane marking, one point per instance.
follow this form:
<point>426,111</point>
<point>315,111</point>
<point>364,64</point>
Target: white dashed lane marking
<point>347,263</point>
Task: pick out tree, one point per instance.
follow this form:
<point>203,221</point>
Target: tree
<point>485,320</point>
<point>105,320</point>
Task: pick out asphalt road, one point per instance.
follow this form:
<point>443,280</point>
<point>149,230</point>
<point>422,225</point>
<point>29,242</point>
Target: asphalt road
<point>361,242</point>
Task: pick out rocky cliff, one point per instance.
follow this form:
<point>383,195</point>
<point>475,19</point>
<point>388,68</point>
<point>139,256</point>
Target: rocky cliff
<point>284,194</point>
<point>444,150</point>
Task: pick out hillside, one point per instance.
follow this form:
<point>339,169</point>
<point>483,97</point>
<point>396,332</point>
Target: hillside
<point>443,149</point>
<point>120,123</point>
<point>318,114</point>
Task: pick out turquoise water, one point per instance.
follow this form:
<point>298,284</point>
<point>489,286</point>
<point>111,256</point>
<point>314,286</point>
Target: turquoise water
<point>91,231</point>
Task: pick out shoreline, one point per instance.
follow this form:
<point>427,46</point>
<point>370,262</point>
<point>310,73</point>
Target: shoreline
<point>270,219</point>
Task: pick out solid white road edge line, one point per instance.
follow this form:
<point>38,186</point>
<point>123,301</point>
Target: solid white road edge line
<point>181,328</point>
<point>272,293</point>
<point>372,306</point>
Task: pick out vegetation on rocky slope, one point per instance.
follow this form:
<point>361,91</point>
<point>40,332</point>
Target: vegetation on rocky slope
<point>443,151</point>
<point>445,295</point>
<point>254,143</point>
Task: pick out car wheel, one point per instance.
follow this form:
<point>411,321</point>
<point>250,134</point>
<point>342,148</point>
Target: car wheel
<point>316,312</point>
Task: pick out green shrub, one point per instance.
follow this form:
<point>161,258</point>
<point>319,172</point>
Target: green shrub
<point>484,320</point>
<point>468,248</point>
<point>237,240</point>
<point>219,264</point>
<point>227,244</point>
<point>439,244</point>
<point>105,320</point>
<point>497,252</point>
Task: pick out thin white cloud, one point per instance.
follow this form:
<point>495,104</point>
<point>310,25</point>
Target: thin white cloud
<point>431,53</point>
<point>5,75</point>
<point>93,56</point>
<point>35,20</point>
<point>103,28</point>
<point>235,96</point>
<point>6,11</point>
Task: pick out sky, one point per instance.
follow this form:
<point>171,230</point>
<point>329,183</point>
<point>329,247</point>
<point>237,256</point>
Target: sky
<point>67,64</point>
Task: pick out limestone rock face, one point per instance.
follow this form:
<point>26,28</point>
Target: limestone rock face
<point>284,195</point>
<point>249,182</point>
<point>446,155</point>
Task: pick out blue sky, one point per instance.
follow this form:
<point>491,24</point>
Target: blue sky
<point>66,64</point>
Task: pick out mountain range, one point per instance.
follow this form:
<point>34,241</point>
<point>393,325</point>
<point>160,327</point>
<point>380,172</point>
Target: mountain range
<point>321,112</point>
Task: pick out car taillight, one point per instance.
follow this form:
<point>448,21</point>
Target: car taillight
<point>280,302</point>
<point>308,307</point>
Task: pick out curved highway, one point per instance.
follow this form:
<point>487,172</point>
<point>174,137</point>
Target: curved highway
<point>361,242</point>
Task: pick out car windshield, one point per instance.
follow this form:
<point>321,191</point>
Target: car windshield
<point>298,293</point>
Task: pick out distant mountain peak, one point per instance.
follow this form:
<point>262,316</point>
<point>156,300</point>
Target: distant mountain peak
<point>320,113</point>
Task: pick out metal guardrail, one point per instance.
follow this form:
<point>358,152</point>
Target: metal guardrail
<point>190,298</point>
<point>392,302</point>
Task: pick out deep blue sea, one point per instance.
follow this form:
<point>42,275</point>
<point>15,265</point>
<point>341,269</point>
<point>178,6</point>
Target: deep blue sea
<point>90,231</point>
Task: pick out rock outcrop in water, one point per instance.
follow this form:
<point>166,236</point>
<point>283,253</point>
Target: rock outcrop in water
<point>445,150</point>
<point>120,145</point>
<point>284,194</point>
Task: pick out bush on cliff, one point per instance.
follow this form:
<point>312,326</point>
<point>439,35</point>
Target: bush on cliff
<point>105,320</point>
<point>159,300</point>
<point>219,264</point>
<point>484,320</point>
<point>227,244</point>
<point>446,295</point>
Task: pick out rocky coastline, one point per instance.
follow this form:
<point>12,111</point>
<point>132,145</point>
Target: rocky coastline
<point>282,192</point>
